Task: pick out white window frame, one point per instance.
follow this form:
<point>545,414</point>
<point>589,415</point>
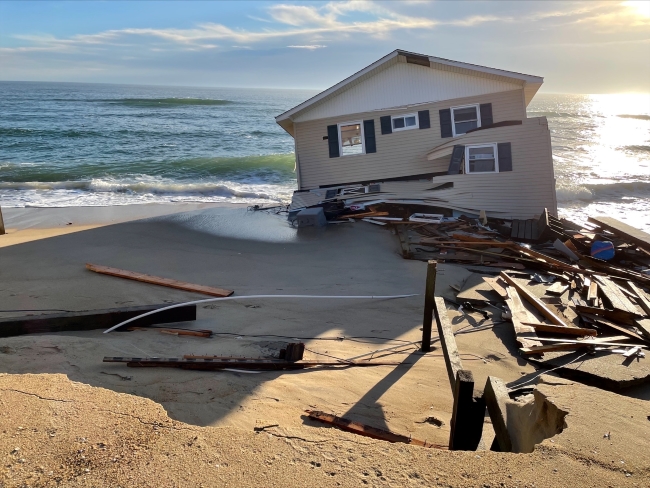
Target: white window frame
<point>363,138</point>
<point>478,115</point>
<point>416,126</point>
<point>474,146</point>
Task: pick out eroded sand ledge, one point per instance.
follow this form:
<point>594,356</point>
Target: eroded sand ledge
<point>60,433</point>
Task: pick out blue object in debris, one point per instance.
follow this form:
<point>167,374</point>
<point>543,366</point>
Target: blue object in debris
<point>602,250</point>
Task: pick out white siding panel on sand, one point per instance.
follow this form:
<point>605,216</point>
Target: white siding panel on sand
<point>405,84</point>
<point>402,153</point>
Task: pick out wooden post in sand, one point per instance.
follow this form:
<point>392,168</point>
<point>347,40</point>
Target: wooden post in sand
<point>429,298</point>
<point>2,223</point>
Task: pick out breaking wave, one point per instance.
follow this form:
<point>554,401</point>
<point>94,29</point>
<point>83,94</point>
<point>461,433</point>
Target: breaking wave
<point>603,192</point>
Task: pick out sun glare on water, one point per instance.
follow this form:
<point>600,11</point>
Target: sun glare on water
<point>641,7</point>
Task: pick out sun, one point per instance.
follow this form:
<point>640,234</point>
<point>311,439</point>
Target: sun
<point>641,7</point>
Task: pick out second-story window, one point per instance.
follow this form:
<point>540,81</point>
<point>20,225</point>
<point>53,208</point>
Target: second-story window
<point>404,122</point>
<point>465,118</point>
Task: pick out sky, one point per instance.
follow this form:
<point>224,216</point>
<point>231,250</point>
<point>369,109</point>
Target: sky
<point>578,47</point>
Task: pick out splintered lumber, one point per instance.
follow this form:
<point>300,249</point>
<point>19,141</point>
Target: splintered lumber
<point>556,329</point>
<point>364,215</point>
<point>429,298</point>
<point>447,340</point>
<point>547,260</point>
<point>642,299</point>
<point>621,316</point>
<point>155,280</point>
<point>366,430</point>
<point>613,295</point>
<point>534,301</point>
<point>616,327</point>
<point>568,345</point>
<point>468,414</point>
<point>93,319</point>
<point>557,288</point>
<point>496,397</point>
<point>622,230</point>
<point>525,334</point>
<point>187,332</point>
<point>211,363</point>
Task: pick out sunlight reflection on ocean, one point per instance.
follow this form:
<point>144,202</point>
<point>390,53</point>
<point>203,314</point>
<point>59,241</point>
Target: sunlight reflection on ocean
<point>601,153</point>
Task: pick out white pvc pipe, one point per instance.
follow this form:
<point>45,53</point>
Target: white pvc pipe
<point>253,296</point>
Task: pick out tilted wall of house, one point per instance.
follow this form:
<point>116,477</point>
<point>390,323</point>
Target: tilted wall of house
<point>520,193</point>
<point>401,153</point>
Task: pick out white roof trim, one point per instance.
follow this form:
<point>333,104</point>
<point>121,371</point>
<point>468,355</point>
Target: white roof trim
<point>432,59</point>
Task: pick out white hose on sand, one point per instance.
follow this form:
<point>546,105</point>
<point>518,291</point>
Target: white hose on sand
<point>255,296</point>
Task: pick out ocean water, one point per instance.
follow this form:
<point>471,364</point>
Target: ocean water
<point>68,144</point>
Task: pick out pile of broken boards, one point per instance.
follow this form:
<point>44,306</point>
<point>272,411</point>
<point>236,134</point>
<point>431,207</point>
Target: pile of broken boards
<point>586,317</point>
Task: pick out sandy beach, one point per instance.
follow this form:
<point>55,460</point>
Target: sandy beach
<point>253,253</point>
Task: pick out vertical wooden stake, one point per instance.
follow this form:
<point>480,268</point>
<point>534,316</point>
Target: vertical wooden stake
<point>2,223</point>
<point>496,397</point>
<point>429,303</point>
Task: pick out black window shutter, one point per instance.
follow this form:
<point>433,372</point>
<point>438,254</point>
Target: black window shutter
<point>445,123</point>
<point>504,151</point>
<point>457,156</point>
<point>423,119</point>
<point>333,140</point>
<point>486,114</point>
<point>386,124</point>
<point>369,135</point>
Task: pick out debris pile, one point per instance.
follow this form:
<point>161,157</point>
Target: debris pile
<point>571,291</point>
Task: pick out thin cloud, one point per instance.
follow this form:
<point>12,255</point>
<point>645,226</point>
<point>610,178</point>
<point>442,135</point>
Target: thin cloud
<point>311,47</point>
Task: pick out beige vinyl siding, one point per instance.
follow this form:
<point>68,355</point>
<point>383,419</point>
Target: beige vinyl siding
<point>403,84</point>
<point>521,193</point>
<point>398,154</point>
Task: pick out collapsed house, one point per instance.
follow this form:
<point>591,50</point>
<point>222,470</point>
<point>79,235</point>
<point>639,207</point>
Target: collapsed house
<point>416,129</point>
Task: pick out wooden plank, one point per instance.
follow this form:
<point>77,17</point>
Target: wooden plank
<point>525,334</point>
<point>155,280</point>
<point>555,329</point>
<point>447,340</point>
<point>592,293</point>
<point>624,231</point>
<point>466,426</point>
<point>496,398</point>
<point>558,288</point>
<point>366,430</point>
<point>187,332</point>
<point>613,295</point>
<point>644,327</point>
<point>534,301</point>
<point>2,223</point>
<point>642,299</point>
<point>626,318</point>
<point>93,319</point>
<point>429,299</point>
<point>497,285</point>
<point>616,327</point>
<point>527,351</point>
<point>548,260</point>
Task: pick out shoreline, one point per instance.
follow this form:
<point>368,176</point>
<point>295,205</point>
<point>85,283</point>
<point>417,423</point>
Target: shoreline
<point>26,224</point>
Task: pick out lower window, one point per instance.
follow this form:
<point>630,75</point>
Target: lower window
<point>481,158</point>
<point>351,137</point>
